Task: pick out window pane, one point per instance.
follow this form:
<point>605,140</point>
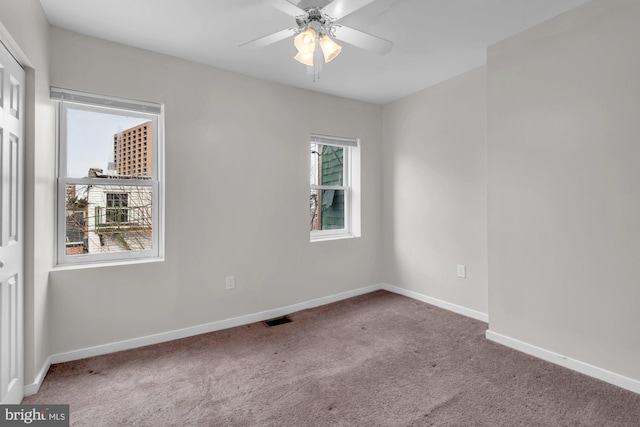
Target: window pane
<point>108,218</point>
<point>108,144</point>
<point>326,209</point>
<point>327,165</point>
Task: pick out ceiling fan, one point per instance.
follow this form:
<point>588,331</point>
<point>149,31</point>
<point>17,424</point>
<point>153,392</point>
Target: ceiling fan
<point>318,26</point>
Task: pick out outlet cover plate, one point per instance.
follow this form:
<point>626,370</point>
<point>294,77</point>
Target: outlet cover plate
<point>230,282</point>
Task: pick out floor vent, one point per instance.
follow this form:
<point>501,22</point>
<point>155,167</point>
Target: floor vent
<point>278,321</point>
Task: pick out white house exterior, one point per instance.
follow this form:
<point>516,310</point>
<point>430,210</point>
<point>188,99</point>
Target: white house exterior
<point>118,218</point>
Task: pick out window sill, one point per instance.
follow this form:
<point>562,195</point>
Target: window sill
<point>111,263</point>
<point>324,238</point>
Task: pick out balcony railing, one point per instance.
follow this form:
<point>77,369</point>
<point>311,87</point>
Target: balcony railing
<point>122,218</point>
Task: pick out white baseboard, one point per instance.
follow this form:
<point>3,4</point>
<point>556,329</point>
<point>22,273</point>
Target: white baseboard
<point>31,389</point>
<point>567,362</point>
<point>438,303</point>
<point>99,350</point>
<point>207,327</point>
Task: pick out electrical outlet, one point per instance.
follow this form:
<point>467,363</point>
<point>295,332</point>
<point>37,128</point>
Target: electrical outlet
<point>230,281</point>
<point>462,271</point>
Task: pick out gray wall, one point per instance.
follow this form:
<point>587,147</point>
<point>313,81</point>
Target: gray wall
<point>564,199</point>
<point>435,191</point>
<point>237,189</point>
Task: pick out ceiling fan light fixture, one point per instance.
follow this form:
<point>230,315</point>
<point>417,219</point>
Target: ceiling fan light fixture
<point>330,48</point>
<point>317,26</point>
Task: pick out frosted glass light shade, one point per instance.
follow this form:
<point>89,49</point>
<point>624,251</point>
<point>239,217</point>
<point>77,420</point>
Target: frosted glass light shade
<point>305,42</point>
<point>330,49</point>
<point>305,58</point>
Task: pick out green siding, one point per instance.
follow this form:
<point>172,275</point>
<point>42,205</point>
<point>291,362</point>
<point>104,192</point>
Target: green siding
<point>332,174</point>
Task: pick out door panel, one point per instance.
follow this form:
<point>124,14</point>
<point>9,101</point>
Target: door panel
<point>11,223</point>
<point>9,333</point>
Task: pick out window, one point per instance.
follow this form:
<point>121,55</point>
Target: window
<point>117,209</point>
<point>108,209</point>
<point>331,196</point>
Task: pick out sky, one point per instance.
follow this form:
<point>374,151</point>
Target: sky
<point>90,139</point>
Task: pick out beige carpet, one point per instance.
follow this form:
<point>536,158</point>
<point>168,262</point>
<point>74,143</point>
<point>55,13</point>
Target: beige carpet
<point>375,360</point>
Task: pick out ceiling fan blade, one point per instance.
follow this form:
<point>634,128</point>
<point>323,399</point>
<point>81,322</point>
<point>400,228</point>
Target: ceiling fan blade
<point>267,40</point>
<point>286,7</point>
<point>362,40</point>
<point>340,8</point>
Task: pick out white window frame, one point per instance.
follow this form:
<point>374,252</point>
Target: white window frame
<point>349,145</point>
<point>69,99</point>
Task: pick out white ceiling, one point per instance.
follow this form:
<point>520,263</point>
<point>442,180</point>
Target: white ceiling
<point>434,40</point>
